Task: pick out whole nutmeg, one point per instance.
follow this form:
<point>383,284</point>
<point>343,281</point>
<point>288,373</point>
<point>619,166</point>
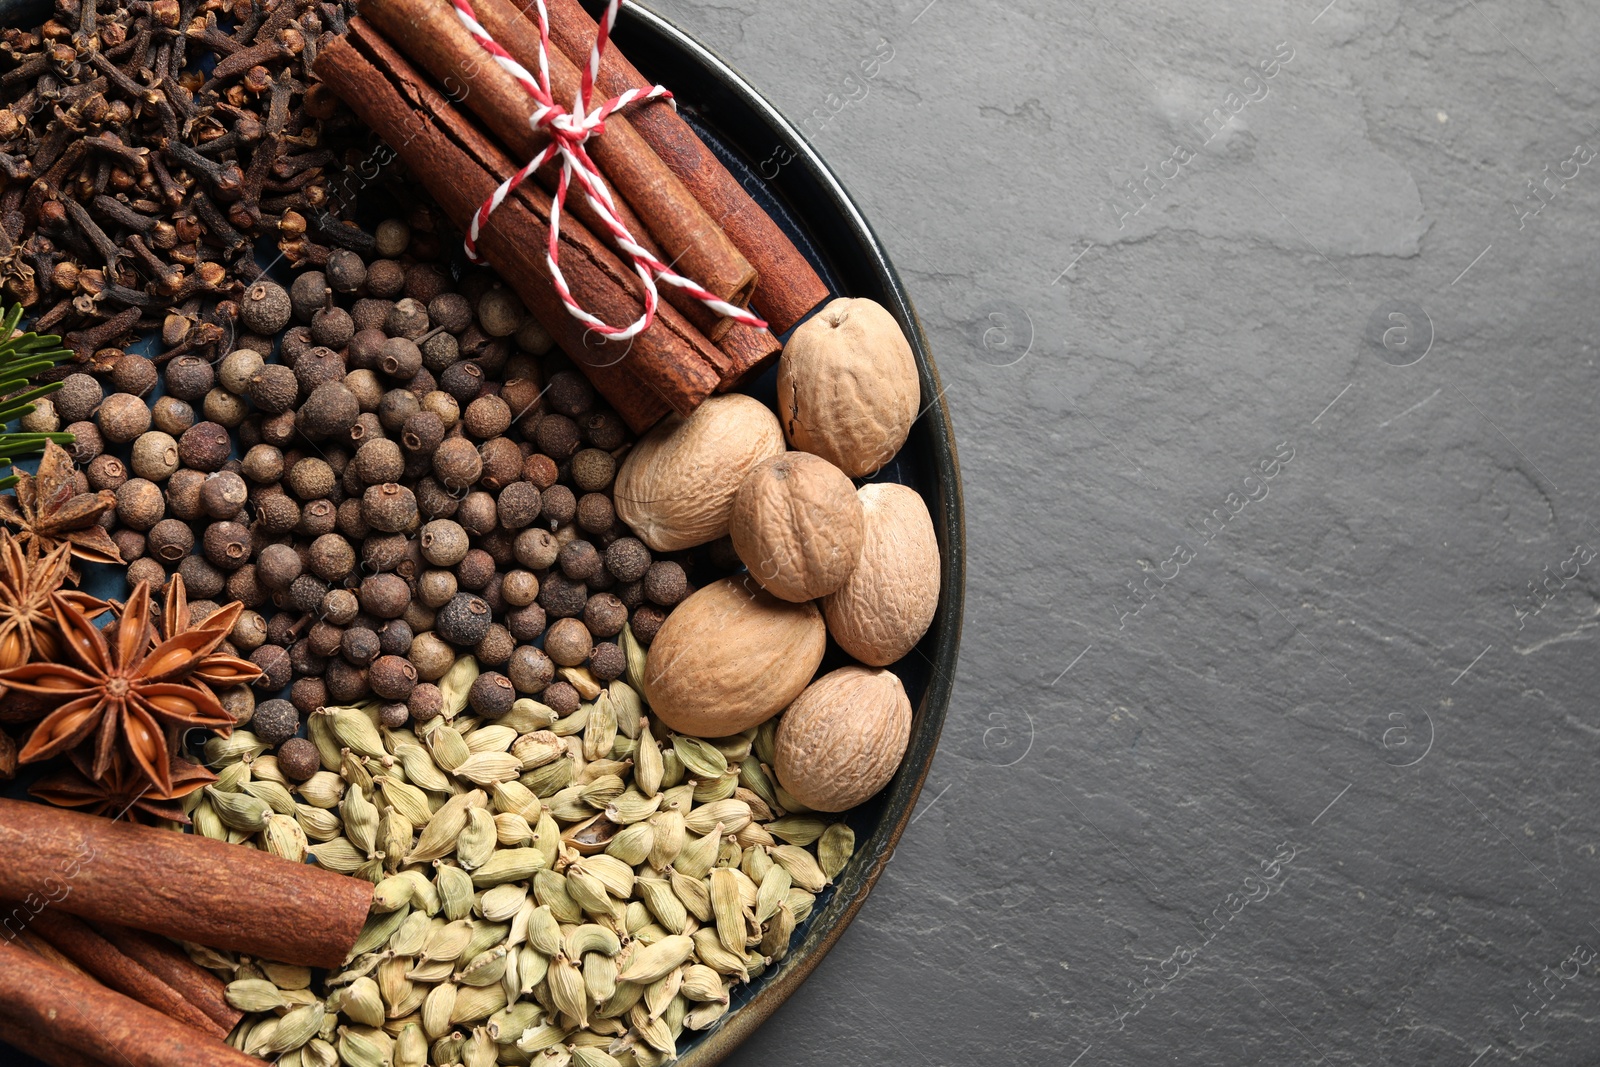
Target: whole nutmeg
<point>140,504</point>
<point>568,642</point>
<point>888,601</point>
<point>730,657</point>
<point>843,738</point>
<point>797,525</point>
<point>848,386</point>
<point>676,486</point>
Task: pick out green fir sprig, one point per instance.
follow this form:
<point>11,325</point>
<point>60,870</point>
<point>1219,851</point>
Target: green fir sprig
<point>22,358</point>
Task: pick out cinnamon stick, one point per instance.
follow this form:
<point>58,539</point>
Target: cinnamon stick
<point>789,287</point>
<point>84,1017</point>
<point>102,960</point>
<point>181,885</point>
<point>433,37</point>
<point>46,1050</point>
<point>747,351</point>
<point>173,966</point>
<point>459,166</point>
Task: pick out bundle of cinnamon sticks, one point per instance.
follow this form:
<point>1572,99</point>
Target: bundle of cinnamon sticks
<point>86,977</point>
<point>406,65</point>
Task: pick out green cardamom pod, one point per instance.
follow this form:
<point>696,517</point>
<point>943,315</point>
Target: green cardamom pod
<point>278,798</point>
<point>544,932</point>
<point>714,789</point>
<point>514,798</point>
<point>528,715</point>
<point>773,892</point>
<point>834,849</point>
<point>361,1002</point>
<point>241,744</point>
<point>636,656</point>
<point>253,995</point>
<point>486,968</point>
<point>454,886</point>
<point>486,768</point>
<point>405,798</point>
<point>591,937</point>
<point>412,934</point>
<point>393,892</point>
<point>647,765</point>
<point>775,941</point>
<point>550,779</point>
<point>670,837</point>
<point>512,830</point>
<point>599,977</point>
<point>285,839</point>
<point>711,951</point>
<point>550,889</point>
<point>411,1047</point>
<point>476,843</point>
<point>726,909</point>
<point>456,686</point>
<point>632,844</point>
<point>662,902</point>
<point>573,724</point>
<point>475,1004</point>
<point>701,758</point>
<point>295,1029</point>
<point>802,867</point>
<point>672,770</point>
<point>445,743</point>
<point>631,806</point>
<point>733,814</point>
<point>494,737</point>
<point>601,728</point>
<point>232,777</point>
<point>801,830</point>
<point>437,1009</point>
<point>565,983</point>
<point>239,811</point>
<point>354,729</point>
<point>421,770</point>
<point>322,790</point>
<point>701,983</point>
<point>360,820</point>
<point>508,865</point>
<point>652,962</point>
<point>438,838</point>
<point>702,1016</point>
<point>502,903</point>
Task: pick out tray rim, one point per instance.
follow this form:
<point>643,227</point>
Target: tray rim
<point>807,169</point>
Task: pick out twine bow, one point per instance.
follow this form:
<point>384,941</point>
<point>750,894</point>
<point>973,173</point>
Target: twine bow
<point>569,131</point>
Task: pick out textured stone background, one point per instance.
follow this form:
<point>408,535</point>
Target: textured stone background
<point>1353,670</point>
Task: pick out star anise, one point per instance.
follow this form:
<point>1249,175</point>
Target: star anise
<point>27,622</point>
<point>48,510</point>
<point>122,790</point>
<point>217,668</point>
<point>123,692</point>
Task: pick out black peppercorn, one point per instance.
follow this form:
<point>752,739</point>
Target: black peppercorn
<point>408,318</point>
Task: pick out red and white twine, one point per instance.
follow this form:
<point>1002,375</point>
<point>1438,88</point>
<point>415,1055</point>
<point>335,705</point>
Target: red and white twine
<point>568,132</point>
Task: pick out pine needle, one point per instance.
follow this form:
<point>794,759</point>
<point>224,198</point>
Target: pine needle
<point>22,358</point>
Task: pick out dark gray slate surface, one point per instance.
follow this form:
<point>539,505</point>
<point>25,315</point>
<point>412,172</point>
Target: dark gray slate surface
<point>1328,796</point>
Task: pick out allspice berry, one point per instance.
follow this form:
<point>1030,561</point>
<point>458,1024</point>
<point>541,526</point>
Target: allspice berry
<point>627,559</point>
<point>607,661</point>
<point>530,669</point>
<point>332,558</point>
<point>646,621</point>
<point>456,463</point>
<point>426,702</point>
<point>86,443</point>
<point>346,271</point>
<point>265,308</point>
<point>561,698</point>
<point>486,417</point>
<point>556,436</point>
<point>122,417</point>
<point>463,621</point>
<point>665,583</point>
<point>171,415</point>
<point>593,470</point>
<point>227,545</point>
<point>331,409</point>
<point>400,358</point>
<point>204,447</point>
<point>579,560</point>
<point>275,721</point>
<point>236,370</point>
<point>183,493</point>
<point>298,759</point>
<point>478,514</point>
<point>339,606</point>
<point>389,507</point>
<point>568,642</point>
<point>491,695</point>
<point>140,504</point>
<point>595,514</point>
<point>106,472</point>
<point>431,655</point>
<point>475,569</point>
<point>80,394</point>
<point>274,388</point>
<point>561,597</point>
<point>392,677</point>
<point>500,312</point>
<point>277,566</point>
<point>422,432</point>
<point>146,569</point>
<point>380,461</point>
<point>223,495</point>
<point>519,588</point>
<point>436,587</point>
<point>273,661</point>
<point>444,543</point>
<point>307,293</point>
<point>518,505</point>
<point>604,615</point>
<point>386,596</point>
<point>496,647</point>
<point>537,549</point>
<point>133,374</point>
<point>170,540</point>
